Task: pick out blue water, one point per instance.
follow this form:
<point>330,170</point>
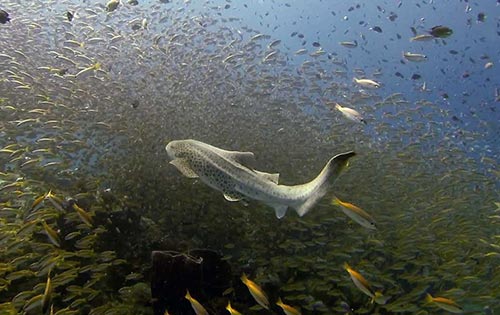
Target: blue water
<point>471,99</point>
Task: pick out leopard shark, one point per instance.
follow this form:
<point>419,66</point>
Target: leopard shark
<point>232,173</point>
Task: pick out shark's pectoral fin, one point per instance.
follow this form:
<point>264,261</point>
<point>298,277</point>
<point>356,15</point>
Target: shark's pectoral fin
<point>280,210</point>
<point>233,196</point>
<point>271,177</point>
<point>183,167</point>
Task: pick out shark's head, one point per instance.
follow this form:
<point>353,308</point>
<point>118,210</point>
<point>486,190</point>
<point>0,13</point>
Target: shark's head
<point>177,148</point>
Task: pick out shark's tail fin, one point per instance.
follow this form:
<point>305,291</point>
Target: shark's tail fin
<point>321,184</point>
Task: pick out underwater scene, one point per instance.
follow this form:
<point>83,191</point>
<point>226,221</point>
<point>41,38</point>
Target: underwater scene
<point>191,157</point>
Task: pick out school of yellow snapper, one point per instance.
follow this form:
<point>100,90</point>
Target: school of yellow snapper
<point>92,92</point>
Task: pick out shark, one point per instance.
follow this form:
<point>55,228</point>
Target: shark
<point>232,173</point>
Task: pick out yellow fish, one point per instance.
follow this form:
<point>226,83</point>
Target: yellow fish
<point>55,201</point>
<point>289,310</point>
<point>379,298</point>
<point>359,281</point>
<point>357,214</point>
<point>231,310</point>
<point>444,303</point>
<point>52,234</point>
<point>38,202</point>
<point>256,292</point>
<point>197,307</point>
<point>85,72</point>
<point>47,295</point>
<point>84,215</point>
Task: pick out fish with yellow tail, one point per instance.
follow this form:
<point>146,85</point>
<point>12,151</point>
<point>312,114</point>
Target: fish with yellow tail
<point>364,286</point>
<point>231,310</point>
<point>289,310</point>
<point>84,215</point>
<point>87,71</point>
<point>255,290</point>
<point>38,202</point>
<point>47,295</point>
<point>444,303</point>
<point>51,234</point>
<point>55,201</point>
<point>197,307</point>
<point>359,281</point>
<point>231,172</point>
<point>379,298</point>
<point>356,213</point>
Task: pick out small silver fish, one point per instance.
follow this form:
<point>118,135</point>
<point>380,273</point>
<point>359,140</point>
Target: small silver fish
<point>414,57</point>
<point>350,114</point>
<point>348,44</point>
<point>367,83</point>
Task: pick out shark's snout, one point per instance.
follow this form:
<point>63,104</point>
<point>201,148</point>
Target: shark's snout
<point>171,149</point>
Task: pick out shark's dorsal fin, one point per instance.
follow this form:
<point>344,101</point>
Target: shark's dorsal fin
<point>183,167</point>
<point>271,177</point>
<point>244,158</point>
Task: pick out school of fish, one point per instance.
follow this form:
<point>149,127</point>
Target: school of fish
<point>96,97</point>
